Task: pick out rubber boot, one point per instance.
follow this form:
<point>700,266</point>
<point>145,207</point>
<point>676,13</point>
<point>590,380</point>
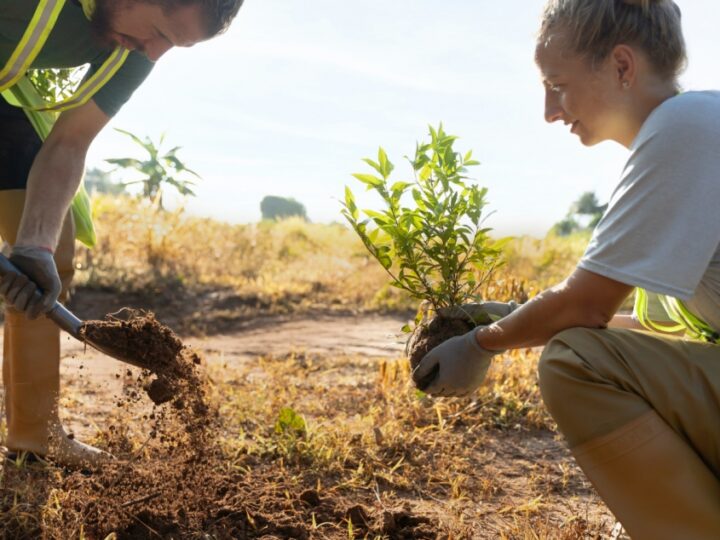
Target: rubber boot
<point>653,481</point>
<point>32,353</point>
<point>31,364</point>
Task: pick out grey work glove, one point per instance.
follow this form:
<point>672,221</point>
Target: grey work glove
<point>461,365</point>
<point>458,366</point>
<point>38,273</point>
<point>482,313</point>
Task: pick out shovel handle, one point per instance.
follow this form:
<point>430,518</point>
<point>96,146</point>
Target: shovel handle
<point>59,314</point>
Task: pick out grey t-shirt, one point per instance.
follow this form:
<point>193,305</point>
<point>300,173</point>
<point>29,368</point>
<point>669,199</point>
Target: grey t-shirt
<point>70,44</point>
<point>661,231</point>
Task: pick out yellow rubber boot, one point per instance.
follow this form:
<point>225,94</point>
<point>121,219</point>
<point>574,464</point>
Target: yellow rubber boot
<point>653,481</point>
<point>32,353</point>
<point>31,364</point>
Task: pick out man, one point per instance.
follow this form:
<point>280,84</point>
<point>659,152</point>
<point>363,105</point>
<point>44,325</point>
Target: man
<point>121,40</point>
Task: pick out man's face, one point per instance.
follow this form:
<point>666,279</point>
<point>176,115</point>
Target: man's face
<point>576,93</point>
<point>146,27</point>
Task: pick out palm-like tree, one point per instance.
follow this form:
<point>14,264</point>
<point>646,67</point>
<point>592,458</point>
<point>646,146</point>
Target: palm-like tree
<point>157,170</point>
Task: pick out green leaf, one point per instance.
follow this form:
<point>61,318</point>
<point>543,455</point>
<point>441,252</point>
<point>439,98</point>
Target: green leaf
<point>374,165</point>
<point>400,187</point>
<point>369,179</point>
<point>290,422</point>
<point>385,166</point>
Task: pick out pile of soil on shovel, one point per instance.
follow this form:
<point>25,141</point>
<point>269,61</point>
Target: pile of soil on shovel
<point>139,336</point>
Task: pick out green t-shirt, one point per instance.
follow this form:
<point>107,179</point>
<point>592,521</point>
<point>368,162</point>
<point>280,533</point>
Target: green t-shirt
<point>72,44</point>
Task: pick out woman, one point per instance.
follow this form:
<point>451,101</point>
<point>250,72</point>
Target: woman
<point>640,410</point>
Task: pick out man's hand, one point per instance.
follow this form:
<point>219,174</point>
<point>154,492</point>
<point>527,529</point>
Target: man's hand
<point>460,363</point>
<point>38,272</point>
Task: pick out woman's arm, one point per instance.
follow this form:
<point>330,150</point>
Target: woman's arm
<point>625,321</point>
<point>585,299</point>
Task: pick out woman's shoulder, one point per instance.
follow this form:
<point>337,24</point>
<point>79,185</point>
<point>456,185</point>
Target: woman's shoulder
<point>689,116</point>
<point>689,107</point>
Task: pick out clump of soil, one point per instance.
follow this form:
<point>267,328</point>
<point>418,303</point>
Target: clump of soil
<point>432,333</point>
<point>141,339</point>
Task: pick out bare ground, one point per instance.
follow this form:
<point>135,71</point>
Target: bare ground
<point>526,484</point>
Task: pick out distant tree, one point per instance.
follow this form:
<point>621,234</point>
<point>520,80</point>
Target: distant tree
<point>280,207</point>
<point>586,210</point>
<point>99,181</point>
<point>588,205</point>
<point>157,170</point>
<point>566,227</point>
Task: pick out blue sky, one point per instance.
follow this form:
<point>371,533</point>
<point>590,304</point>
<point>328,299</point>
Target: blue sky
<point>296,93</point>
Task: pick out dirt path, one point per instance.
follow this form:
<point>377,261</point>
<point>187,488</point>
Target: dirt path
<point>98,376</point>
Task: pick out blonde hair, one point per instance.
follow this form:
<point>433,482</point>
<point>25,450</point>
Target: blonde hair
<point>594,27</point>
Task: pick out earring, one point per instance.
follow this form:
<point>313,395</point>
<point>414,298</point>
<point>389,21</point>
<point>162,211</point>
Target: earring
<point>626,84</point>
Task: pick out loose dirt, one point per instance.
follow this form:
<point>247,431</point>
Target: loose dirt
<point>173,479</point>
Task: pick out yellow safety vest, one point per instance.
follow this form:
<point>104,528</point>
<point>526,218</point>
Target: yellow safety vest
<point>32,42</point>
<point>678,312</point>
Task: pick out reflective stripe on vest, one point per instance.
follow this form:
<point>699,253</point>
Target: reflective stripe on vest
<point>678,312</point>
<point>32,42</point>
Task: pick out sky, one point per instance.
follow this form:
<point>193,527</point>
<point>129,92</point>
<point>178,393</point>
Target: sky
<point>295,94</point>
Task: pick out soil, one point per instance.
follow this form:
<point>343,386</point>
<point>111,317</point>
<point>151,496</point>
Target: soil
<point>432,333</point>
<point>177,481</point>
<point>138,336</point>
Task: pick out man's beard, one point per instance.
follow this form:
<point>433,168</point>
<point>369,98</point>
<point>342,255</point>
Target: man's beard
<point>102,20</point>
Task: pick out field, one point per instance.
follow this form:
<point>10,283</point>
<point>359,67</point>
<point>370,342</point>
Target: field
<point>313,430</point>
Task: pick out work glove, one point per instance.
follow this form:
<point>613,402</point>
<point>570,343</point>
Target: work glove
<point>38,273</point>
<point>457,367</point>
<point>481,313</point>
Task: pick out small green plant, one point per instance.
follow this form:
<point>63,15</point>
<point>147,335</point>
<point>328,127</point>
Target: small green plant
<point>437,250</point>
<point>289,422</point>
<point>158,170</point>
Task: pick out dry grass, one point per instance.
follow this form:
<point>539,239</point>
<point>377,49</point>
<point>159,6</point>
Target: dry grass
<point>487,467</point>
<point>140,249</point>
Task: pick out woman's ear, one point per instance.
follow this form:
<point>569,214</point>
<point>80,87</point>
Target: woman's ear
<point>625,65</point>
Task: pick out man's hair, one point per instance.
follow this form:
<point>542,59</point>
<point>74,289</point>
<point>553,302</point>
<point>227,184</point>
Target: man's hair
<point>594,27</point>
<point>219,13</point>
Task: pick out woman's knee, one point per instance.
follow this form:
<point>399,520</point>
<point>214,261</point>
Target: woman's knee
<point>562,367</point>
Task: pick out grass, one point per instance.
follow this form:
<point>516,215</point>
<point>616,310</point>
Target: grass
<point>140,249</point>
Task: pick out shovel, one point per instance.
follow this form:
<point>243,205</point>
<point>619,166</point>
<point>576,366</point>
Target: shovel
<point>67,321</point>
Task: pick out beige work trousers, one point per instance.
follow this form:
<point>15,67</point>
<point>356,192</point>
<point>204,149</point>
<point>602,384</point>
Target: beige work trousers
<point>596,381</point>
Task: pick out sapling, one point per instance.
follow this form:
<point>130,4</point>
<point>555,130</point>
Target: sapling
<point>430,238</point>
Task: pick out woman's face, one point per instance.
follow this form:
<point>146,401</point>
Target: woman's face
<point>582,96</point>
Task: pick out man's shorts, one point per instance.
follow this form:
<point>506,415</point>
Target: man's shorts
<point>19,144</point>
